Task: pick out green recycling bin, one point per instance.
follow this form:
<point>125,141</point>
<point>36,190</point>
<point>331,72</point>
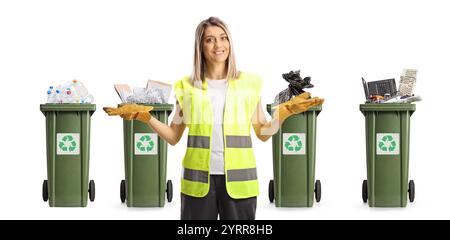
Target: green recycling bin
<point>68,133</point>
<point>146,162</point>
<point>294,160</point>
<point>387,154</point>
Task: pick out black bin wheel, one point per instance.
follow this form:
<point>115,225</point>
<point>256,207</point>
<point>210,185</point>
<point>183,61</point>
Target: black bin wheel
<point>271,191</point>
<point>412,191</point>
<point>123,193</point>
<point>365,191</point>
<point>169,191</point>
<point>91,190</point>
<point>318,191</point>
<point>45,191</point>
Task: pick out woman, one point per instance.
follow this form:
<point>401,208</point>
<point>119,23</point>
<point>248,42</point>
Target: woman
<point>219,105</point>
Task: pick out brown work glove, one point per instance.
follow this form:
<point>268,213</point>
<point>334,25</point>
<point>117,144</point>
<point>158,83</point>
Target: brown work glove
<point>131,112</point>
<point>296,105</point>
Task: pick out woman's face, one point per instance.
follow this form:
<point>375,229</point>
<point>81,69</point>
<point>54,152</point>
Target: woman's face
<point>216,47</point>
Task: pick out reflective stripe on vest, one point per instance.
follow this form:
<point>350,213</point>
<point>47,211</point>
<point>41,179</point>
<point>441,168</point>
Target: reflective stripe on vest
<point>198,141</point>
<point>195,175</point>
<point>232,142</point>
<point>241,175</point>
<point>239,142</point>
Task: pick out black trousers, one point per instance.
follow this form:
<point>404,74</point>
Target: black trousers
<point>217,203</point>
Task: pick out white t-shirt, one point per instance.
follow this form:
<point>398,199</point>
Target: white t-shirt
<point>217,90</point>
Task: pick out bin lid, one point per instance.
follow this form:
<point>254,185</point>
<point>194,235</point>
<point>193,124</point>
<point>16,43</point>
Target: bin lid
<point>387,107</point>
<point>157,106</point>
<point>67,107</point>
<point>315,108</point>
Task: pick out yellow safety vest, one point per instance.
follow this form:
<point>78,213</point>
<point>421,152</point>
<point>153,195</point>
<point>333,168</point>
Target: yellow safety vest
<point>243,95</point>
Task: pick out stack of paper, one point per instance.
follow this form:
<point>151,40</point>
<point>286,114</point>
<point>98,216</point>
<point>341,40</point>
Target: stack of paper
<point>155,92</point>
<point>407,82</point>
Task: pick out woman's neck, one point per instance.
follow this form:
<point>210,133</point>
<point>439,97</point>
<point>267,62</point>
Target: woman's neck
<point>216,71</point>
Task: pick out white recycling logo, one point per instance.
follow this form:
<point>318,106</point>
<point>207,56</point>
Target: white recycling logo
<point>145,144</point>
<point>67,143</point>
<point>388,144</point>
<point>294,144</point>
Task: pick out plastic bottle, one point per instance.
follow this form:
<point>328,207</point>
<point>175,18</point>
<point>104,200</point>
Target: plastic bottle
<point>63,97</point>
<point>67,96</point>
<point>80,89</point>
<point>58,96</point>
<point>59,90</point>
<point>51,95</point>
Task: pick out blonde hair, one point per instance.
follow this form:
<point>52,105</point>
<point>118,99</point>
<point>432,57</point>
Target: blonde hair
<point>198,76</point>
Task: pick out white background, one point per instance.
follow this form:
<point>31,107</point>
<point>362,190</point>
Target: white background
<point>100,43</point>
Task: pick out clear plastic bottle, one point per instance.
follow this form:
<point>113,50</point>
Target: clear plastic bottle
<point>80,89</point>
<point>58,96</point>
<point>51,95</point>
<point>67,96</point>
<point>63,97</point>
<point>59,93</point>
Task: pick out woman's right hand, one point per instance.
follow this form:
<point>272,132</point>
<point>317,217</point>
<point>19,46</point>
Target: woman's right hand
<point>131,112</point>
<point>171,134</point>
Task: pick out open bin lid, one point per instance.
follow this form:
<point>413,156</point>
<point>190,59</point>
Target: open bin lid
<point>156,106</point>
<point>387,107</point>
<point>315,108</point>
<point>67,107</point>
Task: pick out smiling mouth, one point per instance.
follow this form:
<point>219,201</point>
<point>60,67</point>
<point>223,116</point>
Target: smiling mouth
<point>218,52</point>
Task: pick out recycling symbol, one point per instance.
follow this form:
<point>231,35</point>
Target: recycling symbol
<point>387,143</point>
<point>67,144</point>
<point>145,144</point>
<point>293,144</point>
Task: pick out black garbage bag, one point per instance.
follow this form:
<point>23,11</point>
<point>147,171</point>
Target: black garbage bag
<point>295,88</point>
